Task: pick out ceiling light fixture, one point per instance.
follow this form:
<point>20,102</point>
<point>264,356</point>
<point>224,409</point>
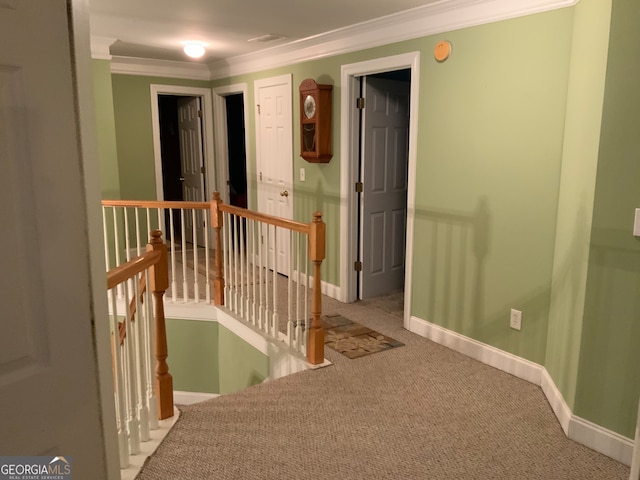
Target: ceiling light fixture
<point>194,50</point>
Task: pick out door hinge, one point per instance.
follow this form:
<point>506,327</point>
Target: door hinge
<point>260,176</point>
<point>203,169</point>
<point>258,109</point>
<point>359,187</point>
<point>200,113</point>
<point>357,266</point>
<point>360,103</point>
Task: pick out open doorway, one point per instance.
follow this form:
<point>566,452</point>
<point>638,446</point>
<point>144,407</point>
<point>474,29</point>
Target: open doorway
<point>189,174</point>
<point>237,157</point>
<point>382,191</point>
<point>350,149</point>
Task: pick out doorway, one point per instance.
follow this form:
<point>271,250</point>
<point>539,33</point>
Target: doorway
<point>350,169</point>
<point>237,151</point>
<point>197,105</point>
<point>382,180</point>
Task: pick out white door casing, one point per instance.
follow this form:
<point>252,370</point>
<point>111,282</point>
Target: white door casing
<point>56,388</point>
<point>385,130</point>
<point>191,162</point>
<point>274,159</point>
<point>207,132</point>
<point>349,132</point>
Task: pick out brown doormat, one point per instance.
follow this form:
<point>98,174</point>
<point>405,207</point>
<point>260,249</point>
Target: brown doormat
<point>352,339</point>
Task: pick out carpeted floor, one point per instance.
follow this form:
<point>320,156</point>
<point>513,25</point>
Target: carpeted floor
<point>417,412</point>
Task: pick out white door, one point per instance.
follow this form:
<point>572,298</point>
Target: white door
<point>49,393</point>
<point>384,177</point>
<point>275,160</point>
<point>191,161</point>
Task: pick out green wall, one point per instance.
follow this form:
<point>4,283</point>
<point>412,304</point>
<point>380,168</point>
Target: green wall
<point>240,364</point>
<point>488,172</point>
<point>208,358</point>
<point>106,129</point>
<point>577,188</point>
<point>609,368</point>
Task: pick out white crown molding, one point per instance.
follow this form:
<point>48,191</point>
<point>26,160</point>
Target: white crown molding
<point>160,68</point>
<point>100,47</point>
<point>443,16</point>
<point>439,17</point>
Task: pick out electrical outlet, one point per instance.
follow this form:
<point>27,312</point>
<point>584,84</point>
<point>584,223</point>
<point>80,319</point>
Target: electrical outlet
<point>302,175</point>
<point>516,319</point>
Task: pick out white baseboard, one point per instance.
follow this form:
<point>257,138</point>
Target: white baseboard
<point>189,398</point>
<point>482,352</point>
<point>611,444</point>
<point>601,440</point>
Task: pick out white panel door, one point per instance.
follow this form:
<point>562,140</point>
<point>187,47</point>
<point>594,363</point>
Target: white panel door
<point>275,160</point>
<point>49,395</point>
<point>384,199</point>
<point>191,160</point>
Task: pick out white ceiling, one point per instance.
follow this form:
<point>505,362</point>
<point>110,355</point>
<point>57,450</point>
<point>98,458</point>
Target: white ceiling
<point>158,29</point>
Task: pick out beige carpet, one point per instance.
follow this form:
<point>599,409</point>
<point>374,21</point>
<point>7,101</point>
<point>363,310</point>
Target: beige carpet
<point>417,412</point>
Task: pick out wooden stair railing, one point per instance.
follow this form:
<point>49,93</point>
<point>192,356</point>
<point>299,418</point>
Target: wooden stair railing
<point>316,234</point>
<point>155,259</point>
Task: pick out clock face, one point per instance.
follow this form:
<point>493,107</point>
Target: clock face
<point>309,106</point>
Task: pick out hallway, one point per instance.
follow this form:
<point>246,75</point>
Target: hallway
<point>414,412</point>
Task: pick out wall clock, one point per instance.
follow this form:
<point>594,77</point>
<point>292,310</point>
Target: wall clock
<point>315,121</point>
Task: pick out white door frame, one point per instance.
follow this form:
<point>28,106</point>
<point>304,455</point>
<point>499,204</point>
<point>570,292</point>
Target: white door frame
<point>349,161</point>
<point>207,132</point>
<point>222,150</point>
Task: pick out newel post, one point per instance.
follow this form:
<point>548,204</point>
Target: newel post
<point>218,273</point>
<point>317,242</point>
<point>158,283</point>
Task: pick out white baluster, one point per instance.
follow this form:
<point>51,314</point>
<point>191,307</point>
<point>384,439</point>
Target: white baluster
<point>226,257</point>
<point>206,258</point>
<point>127,246</point>
<point>254,319</point>
<point>123,445</point>
<point>132,400</point>
<point>151,359</point>
<point>141,367</point>
<point>116,246</point>
<point>194,224</point>
<point>138,242</point>
<point>106,237</point>
<point>185,285</point>
<point>290,292</point>
<point>267,311</point>
<point>260,272</point>
<point>274,330</point>
<point>241,254</point>
<point>174,286</point>
<point>236,300</point>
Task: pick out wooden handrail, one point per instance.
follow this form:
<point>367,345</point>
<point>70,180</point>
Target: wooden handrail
<point>154,259</point>
<point>156,204</point>
<point>262,217</point>
<point>136,265</point>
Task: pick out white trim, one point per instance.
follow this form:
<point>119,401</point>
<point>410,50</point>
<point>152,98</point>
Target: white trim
<point>556,401</point>
<point>601,440</point>
<point>222,151</point>
<point>100,47</point>
<point>148,448</point>
<point>349,168</point>
<point>438,17</point>
<point>494,357</point>
<point>190,398</point>
<point>159,68</point>
<point>589,434</point>
<point>207,131</point>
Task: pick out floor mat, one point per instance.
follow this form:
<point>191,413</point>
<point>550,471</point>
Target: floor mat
<point>352,339</point>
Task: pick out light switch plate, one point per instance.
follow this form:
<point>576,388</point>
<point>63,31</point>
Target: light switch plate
<point>636,224</point>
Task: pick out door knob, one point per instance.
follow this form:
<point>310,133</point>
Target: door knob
<point>182,179</point>
<point>284,194</point>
